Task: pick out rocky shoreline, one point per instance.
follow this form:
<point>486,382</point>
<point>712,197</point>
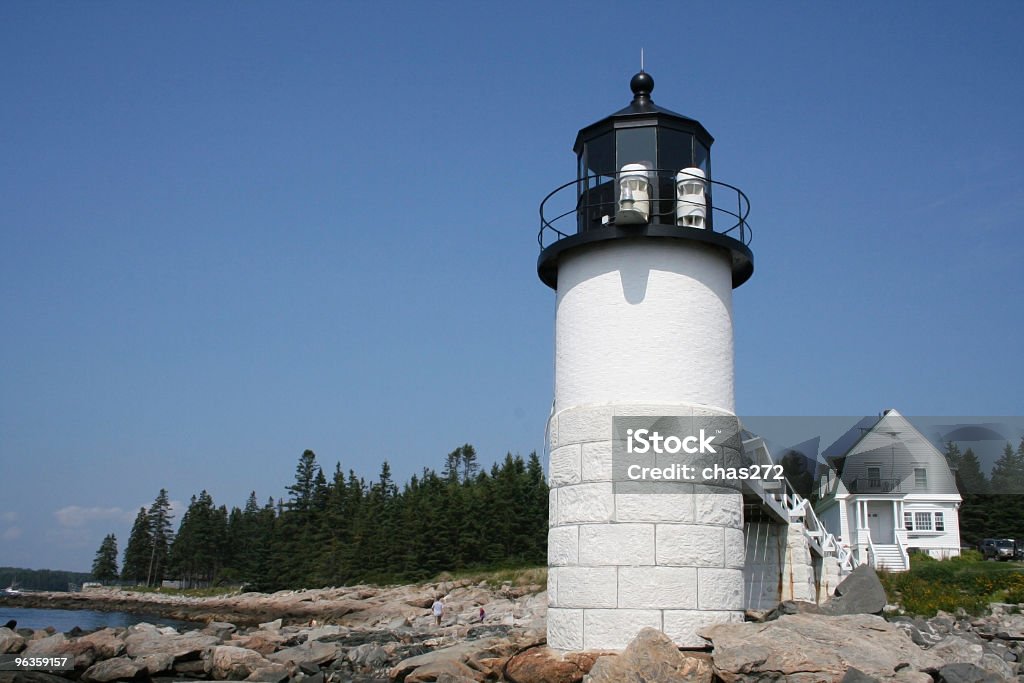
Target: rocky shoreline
<point>368,634</point>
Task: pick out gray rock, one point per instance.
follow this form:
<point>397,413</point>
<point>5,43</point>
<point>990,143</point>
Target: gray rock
<point>30,677</point>
<point>227,662</point>
<point>368,656</point>
<point>859,593</point>
<point>854,675</point>
<point>105,642</point>
<point>272,673</point>
<point>311,654</point>
<point>117,669</point>
<point>183,646</point>
<point>59,645</point>
<point>10,641</point>
<point>156,663</point>
<point>274,625</point>
<point>221,629</point>
<point>192,668</point>
<point>815,647</point>
<point>995,664</point>
<point>651,657</point>
<point>956,650</point>
<point>965,673</point>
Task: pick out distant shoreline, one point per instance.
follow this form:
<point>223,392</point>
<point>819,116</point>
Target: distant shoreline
<point>247,609</point>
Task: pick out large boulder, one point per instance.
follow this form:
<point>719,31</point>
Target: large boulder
<point>263,642</point>
<point>106,643</point>
<point>861,592</point>
<point>966,673</point>
<point>156,663</point>
<point>272,673</point>
<point>469,653</point>
<point>651,657</point>
<point>544,665</point>
<point>58,645</point>
<point>307,655</point>
<point>183,646</point>
<point>815,647</point>
<point>954,650</point>
<point>117,669</point>
<point>10,641</point>
<point>234,663</point>
<point>445,669</point>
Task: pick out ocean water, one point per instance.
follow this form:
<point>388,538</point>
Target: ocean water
<point>87,620</point>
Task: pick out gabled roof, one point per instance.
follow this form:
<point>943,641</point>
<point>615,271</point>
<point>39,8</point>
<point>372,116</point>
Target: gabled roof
<point>896,448</point>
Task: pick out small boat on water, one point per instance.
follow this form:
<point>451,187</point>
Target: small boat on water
<point>12,589</point>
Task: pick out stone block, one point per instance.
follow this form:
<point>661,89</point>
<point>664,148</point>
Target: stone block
<point>552,507</point>
<point>585,503</point>
<point>690,545</point>
<point>654,507</point>
<point>719,508</point>
<point>587,587</point>
<point>720,589</point>
<point>616,544</point>
<point>597,461</point>
<point>734,548</point>
<point>565,629</point>
<point>613,629</point>
<point>564,466</point>
<point>657,588</point>
<point>563,546</point>
<point>552,588</point>
<point>578,425</point>
<point>682,625</point>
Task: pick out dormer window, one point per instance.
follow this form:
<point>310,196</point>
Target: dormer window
<point>920,478</point>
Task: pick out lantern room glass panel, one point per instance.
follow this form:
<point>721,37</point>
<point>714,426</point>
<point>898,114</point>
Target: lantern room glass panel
<point>675,152</point>
<point>597,195</point>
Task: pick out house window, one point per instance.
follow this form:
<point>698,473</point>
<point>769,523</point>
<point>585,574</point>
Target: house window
<point>923,521</point>
<point>874,477</point>
<point>908,521</point>
<point>940,525</point>
<point>920,478</point>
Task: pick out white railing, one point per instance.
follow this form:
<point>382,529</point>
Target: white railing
<point>795,505</point>
<point>904,556</point>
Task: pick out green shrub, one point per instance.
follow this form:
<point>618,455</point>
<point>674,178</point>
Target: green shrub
<point>967,583</point>
<point>968,556</point>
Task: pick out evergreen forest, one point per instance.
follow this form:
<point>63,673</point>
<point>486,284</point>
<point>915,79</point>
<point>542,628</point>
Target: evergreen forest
<point>338,529</point>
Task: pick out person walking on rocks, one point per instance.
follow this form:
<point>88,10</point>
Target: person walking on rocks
<point>438,609</point>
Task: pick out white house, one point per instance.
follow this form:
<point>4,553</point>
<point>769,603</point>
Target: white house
<point>889,491</point>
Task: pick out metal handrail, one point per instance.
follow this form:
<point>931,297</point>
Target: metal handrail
<point>716,207</point>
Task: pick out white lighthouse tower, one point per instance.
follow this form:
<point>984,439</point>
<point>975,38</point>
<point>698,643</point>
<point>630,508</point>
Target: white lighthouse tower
<point>643,250</point>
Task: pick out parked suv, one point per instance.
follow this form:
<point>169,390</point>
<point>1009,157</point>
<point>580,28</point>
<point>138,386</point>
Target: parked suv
<point>998,549</point>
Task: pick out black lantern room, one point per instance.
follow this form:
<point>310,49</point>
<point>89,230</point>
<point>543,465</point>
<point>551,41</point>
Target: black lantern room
<point>644,172</point>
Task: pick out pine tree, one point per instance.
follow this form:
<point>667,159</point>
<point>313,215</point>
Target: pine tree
<point>469,464</point>
<point>161,536</point>
<point>104,567</point>
<point>1008,472</point>
<point>970,478</point>
<point>953,456</point>
<point>138,550</point>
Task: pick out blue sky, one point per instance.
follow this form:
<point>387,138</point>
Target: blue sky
<point>233,231</point>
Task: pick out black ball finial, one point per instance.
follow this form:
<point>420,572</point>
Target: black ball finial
<point>642,85</point>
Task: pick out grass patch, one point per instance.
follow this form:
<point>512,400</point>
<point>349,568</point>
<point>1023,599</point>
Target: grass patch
<point>966,582</point>
<point>517,576</point>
